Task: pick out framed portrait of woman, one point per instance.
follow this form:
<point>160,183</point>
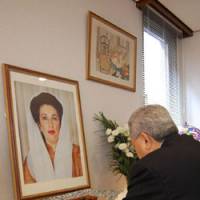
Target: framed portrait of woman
<point>46,133</point>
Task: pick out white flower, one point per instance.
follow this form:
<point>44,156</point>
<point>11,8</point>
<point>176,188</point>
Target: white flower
<point>111,139</point>
<point>121,129</point>
<point>185,130</point>
<point>126,150</point>
<point>126,133</point>
<point>115,132</point>
<point>122,146</point>
<point>117,146</point>
<point>108,131</point>
<point>129,154</point>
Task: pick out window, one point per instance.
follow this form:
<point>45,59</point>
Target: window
<point>161,70</point>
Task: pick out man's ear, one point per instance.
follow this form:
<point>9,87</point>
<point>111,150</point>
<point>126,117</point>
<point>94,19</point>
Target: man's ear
<point>148,140</point>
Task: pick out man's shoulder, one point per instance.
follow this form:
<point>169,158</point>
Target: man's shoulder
<point>148,162</point>
<point>177,150</point>
<point>168,169</point>
<point>144,166</point>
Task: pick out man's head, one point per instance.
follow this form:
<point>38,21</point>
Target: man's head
<point>149,125</point>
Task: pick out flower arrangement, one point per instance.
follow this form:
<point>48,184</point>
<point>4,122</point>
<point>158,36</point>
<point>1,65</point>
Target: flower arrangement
<point>123,154</point>
<point>190,130</point>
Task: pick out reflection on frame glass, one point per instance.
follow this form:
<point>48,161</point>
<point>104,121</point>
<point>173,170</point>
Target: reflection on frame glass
<point>46,133</point>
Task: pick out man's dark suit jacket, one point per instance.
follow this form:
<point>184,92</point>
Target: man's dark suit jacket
<point>169,173</point>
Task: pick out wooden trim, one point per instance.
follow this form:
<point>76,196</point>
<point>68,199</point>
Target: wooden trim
<point>83,137</point>
<point>142,3</point>
<point>10,126</point>
<point>167,14</point>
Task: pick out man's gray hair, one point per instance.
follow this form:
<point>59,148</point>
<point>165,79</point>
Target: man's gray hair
<point>154,120</point>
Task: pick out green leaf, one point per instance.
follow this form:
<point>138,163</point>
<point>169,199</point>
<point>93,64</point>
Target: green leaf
<point>120,164</point>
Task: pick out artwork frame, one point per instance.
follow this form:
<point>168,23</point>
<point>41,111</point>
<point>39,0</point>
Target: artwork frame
<point>22,87</point>
<point>112,54</point>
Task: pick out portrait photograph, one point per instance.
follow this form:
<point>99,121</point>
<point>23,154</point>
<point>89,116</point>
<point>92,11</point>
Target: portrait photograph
<point>111,54</point>
<point>46,133</point>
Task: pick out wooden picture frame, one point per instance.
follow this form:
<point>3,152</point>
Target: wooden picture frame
<point>46,133</point>
<point>111,54</point>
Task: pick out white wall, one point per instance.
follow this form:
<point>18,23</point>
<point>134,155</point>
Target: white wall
<point>50,36</point>
<point>191,55</point>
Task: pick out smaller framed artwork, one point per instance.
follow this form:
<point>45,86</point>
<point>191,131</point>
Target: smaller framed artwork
<point>46,136</point>
<point>111,54</point>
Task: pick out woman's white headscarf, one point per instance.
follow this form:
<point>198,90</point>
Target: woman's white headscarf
<point>38,159</point>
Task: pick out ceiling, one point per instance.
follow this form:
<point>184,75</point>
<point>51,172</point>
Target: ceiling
<point>186,10</point>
